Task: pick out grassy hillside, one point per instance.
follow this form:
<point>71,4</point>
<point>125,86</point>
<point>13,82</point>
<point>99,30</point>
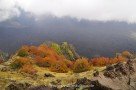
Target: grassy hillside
<point>52,64</point>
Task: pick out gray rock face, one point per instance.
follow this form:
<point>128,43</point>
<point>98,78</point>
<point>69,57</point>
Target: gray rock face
<point>120,69</point>
<point>123,75</point>
<point>96,85</point>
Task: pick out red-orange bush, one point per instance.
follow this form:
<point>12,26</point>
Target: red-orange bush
<point>44,62</point>
<point>100,61</point>
<point>121,59</point>
<point>27,68</point>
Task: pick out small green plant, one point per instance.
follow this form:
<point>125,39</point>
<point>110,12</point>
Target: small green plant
<point>22,53</point>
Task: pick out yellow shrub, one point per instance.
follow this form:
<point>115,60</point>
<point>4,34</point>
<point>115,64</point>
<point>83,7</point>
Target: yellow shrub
<point>126,54</point>
<point>81,65</point>
<point>59,67</point>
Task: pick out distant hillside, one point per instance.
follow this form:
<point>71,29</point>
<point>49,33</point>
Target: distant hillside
<point>91,38</point>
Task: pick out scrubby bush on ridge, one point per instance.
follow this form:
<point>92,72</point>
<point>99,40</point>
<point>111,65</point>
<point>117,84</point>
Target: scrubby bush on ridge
<point>59,67</point>
<point>22,53</point>
<point>28,68</point>
<point>45,56</point>
<point>18,63</point>
<point>81,65</point>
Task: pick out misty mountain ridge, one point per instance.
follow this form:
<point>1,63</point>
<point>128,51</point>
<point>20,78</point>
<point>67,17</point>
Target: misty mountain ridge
<point>89,37</point>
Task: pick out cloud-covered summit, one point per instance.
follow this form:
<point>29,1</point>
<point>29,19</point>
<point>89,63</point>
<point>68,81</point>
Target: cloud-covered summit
<point>101,10</point>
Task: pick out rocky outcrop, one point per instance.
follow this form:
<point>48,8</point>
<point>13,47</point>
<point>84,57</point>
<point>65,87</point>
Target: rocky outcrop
<point>19,86</point>
<point>96,85</point>
<point>120,76</point>
<point>42,87</point>
<point>120,69</point>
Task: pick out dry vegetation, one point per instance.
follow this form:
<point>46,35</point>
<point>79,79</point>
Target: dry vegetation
<point>30,63</point>
<point>44,56</point>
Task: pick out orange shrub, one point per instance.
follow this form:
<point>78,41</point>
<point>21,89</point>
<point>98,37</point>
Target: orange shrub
<point>59,67</point>
<point>18,63</point>
<point>121,59</point>
<point>81,65</point>
<point>33,50</point>
<point>44,62</point>
<point>68,63</point>
<point>126,54</point>
<point>100,61</point>
<point>27,68</point>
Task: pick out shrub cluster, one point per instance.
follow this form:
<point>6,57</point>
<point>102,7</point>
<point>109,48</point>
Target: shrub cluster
<point>28,68</point>
<point>126,54</point>
<point>81,65</point>
<point>45,56</point>
<point>18,63</point>
<point>59,67</point>
<point>103,61</point>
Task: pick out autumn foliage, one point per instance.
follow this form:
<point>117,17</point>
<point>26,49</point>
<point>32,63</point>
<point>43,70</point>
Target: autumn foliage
<point>28,68</point>
<point>59,67</point>
<point>44,62</point>
<point>81,65</point>
<point>126,54</point>
<point>103,61</point>
<point>18,63</point>
<point>45,56</point>
<point>23,52</point>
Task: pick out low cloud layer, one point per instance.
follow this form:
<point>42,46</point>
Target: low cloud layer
<point>8,9</point>
<point>101,10</point>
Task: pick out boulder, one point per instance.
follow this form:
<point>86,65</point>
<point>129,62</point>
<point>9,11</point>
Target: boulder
<point>109,68</point>
<point>83,81</point>
<point>48,75</point>
<point>82,84</point>
<point>110,74</point>
<point>96,74</point>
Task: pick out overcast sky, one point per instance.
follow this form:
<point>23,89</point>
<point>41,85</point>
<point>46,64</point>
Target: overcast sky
<point>102,10</point>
